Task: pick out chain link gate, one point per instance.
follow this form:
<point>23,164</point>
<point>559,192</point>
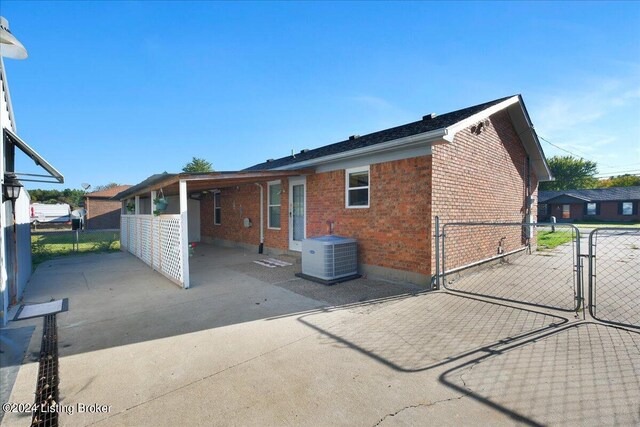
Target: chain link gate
<point>530,263</point>
<point>614,276</point>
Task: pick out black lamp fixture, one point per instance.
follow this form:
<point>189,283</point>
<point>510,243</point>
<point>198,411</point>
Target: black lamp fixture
<point>11,188</point>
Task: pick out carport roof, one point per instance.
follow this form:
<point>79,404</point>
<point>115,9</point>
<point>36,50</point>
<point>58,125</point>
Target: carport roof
<point>169,182</point>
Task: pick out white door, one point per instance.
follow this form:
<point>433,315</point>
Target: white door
<point>297,212</point>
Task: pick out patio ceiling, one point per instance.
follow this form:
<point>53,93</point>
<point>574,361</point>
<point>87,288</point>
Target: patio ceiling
<point>207,181</point>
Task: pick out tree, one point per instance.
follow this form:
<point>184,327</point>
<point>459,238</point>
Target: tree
<point>620,181</point>
<point>571,173</point>
<point>105,186</point>
<point>197,165</point>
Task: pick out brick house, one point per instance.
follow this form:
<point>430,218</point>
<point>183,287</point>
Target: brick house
<point>620,204</point>
<point>481,163</point>
<point>102,211</point>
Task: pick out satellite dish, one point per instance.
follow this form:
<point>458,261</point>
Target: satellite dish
<point>85,185</point>
<point>10,47</point>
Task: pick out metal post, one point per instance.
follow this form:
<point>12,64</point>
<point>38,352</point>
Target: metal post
<point>14,284</point>
<point>437,250</point>
<point>184,233</point>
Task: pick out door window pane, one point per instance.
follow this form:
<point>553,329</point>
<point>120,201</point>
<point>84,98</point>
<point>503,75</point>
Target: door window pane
<point>298,212</point>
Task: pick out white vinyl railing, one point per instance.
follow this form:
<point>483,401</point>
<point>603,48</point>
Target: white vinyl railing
<point>156,240</point>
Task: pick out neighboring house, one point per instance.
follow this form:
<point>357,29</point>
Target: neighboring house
<point>102,211</point>
<point>481,163</point>
<point>601,204</point>
<point>15,238</point>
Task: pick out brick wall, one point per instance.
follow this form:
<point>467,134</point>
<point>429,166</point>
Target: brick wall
<point>394,231</point>
<point>481,177</point>
<point>608,212</point>
<point>102,213</point>
<point>242,202</point>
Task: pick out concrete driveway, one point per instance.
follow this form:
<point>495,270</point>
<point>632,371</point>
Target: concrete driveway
<point>249,345</point>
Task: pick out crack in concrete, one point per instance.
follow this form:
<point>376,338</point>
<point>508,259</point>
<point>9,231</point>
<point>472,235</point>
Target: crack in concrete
<point>418,405</point>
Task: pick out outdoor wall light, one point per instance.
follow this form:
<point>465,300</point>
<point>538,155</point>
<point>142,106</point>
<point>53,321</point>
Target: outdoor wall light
<point>11,188</point>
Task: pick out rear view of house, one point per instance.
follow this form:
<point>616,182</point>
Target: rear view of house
<point>384,189</point>
<point>600,204</point>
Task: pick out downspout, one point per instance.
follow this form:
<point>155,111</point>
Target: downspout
<point>261,247</point>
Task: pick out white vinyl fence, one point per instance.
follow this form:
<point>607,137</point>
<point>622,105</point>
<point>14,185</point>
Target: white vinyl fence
<point>157,241</point>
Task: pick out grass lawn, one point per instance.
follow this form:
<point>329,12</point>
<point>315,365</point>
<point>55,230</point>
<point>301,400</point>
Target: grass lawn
<point>607,224</point>
<point>54,244</point>
<point>549,239</point>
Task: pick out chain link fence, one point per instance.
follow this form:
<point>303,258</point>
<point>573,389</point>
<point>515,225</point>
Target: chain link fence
<point>537,264</point>
<point>614,275</point>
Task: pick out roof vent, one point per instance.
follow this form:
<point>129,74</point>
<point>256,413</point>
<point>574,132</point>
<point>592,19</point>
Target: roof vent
<point>304,150</point>
<point>429,116</point>
<point>352,137</point>
<point>269,160</point>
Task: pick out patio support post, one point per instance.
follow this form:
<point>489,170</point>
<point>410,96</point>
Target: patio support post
<point>184,233</point>
<point>137,211</point>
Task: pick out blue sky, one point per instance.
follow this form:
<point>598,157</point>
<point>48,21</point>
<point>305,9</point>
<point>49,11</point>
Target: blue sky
<point>117,91</point>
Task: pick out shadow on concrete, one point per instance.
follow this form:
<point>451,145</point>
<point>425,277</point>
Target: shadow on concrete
<point>417,333</point>
<point>13,347</point>
<point>585,373</point>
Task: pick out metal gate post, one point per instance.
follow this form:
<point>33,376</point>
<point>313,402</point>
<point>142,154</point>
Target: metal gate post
<point>437,249</point>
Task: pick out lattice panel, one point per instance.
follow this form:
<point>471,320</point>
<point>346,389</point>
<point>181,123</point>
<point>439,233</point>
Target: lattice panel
<point>170,247</point>
<point>155,243</point>
<point>124,232</point>
<point>132,235</point>
<point>145,248</point>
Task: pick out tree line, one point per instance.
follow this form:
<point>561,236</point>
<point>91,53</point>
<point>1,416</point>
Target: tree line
<point>572,173</point>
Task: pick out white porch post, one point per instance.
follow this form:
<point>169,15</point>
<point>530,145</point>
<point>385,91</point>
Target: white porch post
<point>153,197</point>
<point>137,211</point>
<point>184,233</point>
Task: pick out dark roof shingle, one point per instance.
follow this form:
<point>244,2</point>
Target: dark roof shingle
<point>409,129</point>
<point>595,194</point>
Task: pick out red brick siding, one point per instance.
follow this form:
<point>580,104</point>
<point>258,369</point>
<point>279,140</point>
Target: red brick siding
<point>394,231</point>
<point>102,214</point>
<point>481,178</point>
<point>608,212</point>
<point>242,202</point>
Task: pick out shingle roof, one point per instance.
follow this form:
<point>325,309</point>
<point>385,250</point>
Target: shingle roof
<point>409,129</point>
<point>108,193</point>
<point>153,179</point>
<point>594,195</point>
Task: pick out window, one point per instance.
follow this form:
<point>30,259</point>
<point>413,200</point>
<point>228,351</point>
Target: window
<point>566,211</point>
<point>357,187</point>
<point>217,209</point>
<point>627,208</point>
<point>274,202</point>
<point>592,209</point>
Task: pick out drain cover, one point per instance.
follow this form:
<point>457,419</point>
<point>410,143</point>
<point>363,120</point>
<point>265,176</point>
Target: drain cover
<point>46,402</point>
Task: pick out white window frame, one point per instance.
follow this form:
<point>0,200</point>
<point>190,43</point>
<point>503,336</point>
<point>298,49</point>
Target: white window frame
<point>595,208</point>
<point>269,205</point>
<point>622,209</point>
<point>348,172</point>
<point>215,207</point>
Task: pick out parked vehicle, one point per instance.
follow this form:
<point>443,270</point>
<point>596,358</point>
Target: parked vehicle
<point>42,213</point>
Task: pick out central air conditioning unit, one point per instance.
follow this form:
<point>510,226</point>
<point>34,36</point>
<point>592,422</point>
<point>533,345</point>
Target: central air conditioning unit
<point>329,257</point>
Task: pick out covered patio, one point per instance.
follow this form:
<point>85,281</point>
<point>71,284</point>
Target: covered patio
<point>163,240</point>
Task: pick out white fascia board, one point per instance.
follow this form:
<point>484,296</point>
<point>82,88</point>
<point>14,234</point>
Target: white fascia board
<point>463,124</point>
<point>430,138</point>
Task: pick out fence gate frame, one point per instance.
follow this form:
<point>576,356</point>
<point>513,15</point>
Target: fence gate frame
<point>592,304</point>
<point>439,281</point>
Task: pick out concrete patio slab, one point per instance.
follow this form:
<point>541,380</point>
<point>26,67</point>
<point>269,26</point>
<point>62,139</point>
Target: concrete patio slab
<point>238,350</point>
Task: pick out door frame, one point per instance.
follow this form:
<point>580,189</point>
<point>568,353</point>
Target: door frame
<point>293,244</point>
